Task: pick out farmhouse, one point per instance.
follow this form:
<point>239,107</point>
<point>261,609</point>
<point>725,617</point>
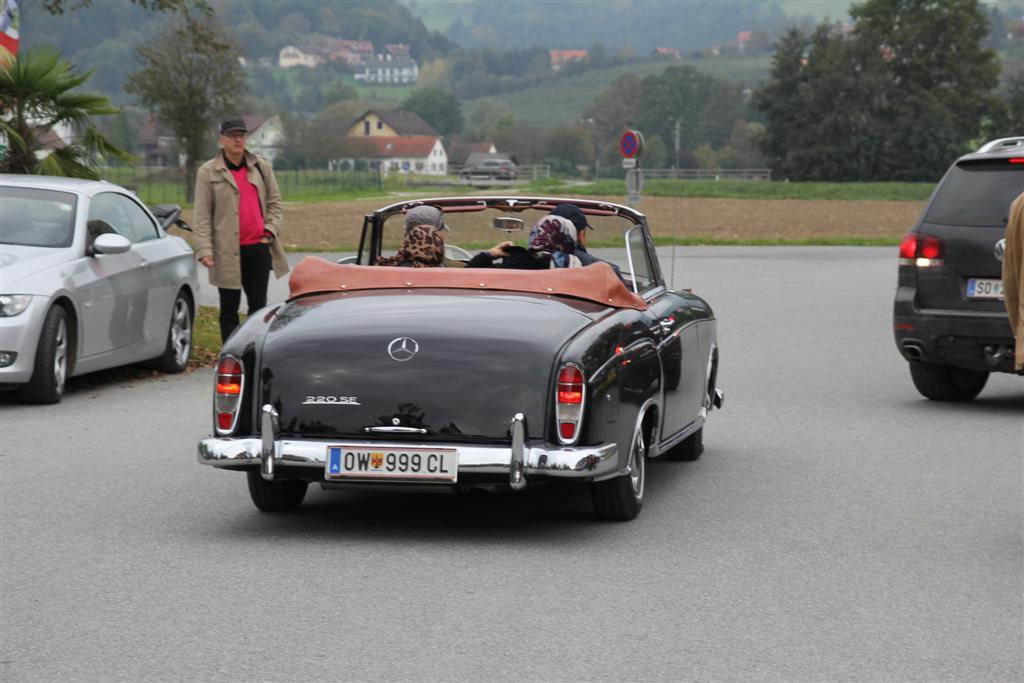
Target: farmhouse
<point>388,69</point>
<point>390,123</point>
<point>560,58</point>
<point>308,56</point>
<point>400,154</point>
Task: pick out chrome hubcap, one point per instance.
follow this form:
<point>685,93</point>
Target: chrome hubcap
<point>181,332</point>
<point>60,357</point>
<point>637,465</point>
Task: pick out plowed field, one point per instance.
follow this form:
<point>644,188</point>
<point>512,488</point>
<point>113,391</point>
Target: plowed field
<point>332,225</point>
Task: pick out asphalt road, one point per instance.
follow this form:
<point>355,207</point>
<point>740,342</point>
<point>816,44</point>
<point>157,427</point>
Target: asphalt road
<point>839,527</point>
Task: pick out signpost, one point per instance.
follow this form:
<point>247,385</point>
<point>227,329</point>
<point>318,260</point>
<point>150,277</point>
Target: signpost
<point>631,145</point>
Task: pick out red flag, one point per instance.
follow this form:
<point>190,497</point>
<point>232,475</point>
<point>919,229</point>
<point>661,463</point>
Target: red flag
<point>9,35</point>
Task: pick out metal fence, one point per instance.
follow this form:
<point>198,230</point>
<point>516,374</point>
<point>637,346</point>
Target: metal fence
<point>166,185</point>
<point>708,173</point>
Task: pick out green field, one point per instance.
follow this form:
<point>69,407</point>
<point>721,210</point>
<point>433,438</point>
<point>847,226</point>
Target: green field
<point>749,189</point>
<point>564,99</point>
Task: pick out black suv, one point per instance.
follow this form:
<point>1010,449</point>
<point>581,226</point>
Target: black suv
<point>949,318</point>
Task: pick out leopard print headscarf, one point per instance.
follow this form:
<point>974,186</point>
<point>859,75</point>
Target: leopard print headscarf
<point>423,248</point>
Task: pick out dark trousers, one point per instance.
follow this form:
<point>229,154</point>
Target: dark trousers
<point>256,264</point>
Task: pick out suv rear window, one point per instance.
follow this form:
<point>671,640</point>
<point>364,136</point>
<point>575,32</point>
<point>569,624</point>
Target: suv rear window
<point>977,194</point>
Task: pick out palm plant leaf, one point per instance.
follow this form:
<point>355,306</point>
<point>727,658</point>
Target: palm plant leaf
<point>37,92</point>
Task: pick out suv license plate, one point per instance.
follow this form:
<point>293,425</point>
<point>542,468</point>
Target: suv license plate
<point>419,464</point>
<point>978,288</point>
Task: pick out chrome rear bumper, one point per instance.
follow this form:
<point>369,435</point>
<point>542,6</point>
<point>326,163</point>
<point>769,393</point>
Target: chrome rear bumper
<point>516,462</point>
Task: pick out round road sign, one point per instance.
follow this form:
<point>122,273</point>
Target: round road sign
<point>631,144</point>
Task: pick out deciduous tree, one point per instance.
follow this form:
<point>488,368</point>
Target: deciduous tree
<point>190,79</point>
<point>906,93</point>
<point>439,108</point>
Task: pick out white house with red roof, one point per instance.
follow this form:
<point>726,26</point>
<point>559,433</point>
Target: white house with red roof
<point>421,154</point>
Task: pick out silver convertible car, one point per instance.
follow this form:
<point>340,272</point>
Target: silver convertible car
<point>89,280</point>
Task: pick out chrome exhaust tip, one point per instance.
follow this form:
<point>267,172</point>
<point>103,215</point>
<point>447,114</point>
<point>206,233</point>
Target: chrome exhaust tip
<point>994,355</point>
<point>912,350</point>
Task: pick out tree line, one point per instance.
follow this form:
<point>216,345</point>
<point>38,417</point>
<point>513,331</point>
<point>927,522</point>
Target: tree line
<point>910,85</point>
<point>909,88</point>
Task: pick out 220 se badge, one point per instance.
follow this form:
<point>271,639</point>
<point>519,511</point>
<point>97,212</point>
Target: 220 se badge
<point>469,377</point>
<point>331,400</point>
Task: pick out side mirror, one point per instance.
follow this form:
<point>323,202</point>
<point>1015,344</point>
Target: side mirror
<point>111,243</point>
<point>509,224</point>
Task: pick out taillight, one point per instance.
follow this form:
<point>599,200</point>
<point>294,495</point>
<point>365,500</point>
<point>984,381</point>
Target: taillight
<point>570,395</point>
<point>923,251</point>
<point>227,397</point>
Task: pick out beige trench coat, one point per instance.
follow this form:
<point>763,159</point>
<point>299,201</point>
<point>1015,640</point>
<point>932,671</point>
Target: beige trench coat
<point>1013,276</point>
<point>215,218</point>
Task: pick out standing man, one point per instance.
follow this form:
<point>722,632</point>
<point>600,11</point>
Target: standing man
<point>1013,277</point>
<point>237,220</point>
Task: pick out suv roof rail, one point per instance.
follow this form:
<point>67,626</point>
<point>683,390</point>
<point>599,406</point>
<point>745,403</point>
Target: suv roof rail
<point>1001,144</point>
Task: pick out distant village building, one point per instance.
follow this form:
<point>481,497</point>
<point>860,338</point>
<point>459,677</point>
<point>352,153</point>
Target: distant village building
<point>156,145</point>
<point>560,58</point>
<point>386,69</point>
<point>352,52</point>
<point>389,123</point>
<point>397,50</point>
<point>266,136</point>
<point>308,56</point>
<point>666,53</point>
<point>52,139</point>
<point>458,152</point>
<point>743,41</point>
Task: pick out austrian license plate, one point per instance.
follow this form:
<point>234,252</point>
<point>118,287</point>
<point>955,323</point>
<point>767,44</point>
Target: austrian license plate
<point>418,464</point>
<point>978,288</point>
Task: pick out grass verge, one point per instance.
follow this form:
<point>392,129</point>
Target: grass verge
<point>205,338</point>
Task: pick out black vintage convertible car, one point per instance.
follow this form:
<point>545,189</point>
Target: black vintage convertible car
<point>469,377</point>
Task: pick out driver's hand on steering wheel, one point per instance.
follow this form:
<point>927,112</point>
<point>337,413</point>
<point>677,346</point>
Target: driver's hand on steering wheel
<point>498,250</point>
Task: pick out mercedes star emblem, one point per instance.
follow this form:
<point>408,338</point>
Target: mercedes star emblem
<point>403,348</point>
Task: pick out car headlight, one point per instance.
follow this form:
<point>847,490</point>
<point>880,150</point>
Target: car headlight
<point>13,304</point>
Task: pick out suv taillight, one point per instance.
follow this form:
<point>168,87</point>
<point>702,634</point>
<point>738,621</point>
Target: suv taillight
<point>923,251</point>
<point>570,395</point>
<point>227,396</point>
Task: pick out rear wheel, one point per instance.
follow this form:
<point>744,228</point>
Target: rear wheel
<point>945,382</point>
<point>50,374</point>
<point>179,338</point>
<point>620,499</point>
<point>275,496</point>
